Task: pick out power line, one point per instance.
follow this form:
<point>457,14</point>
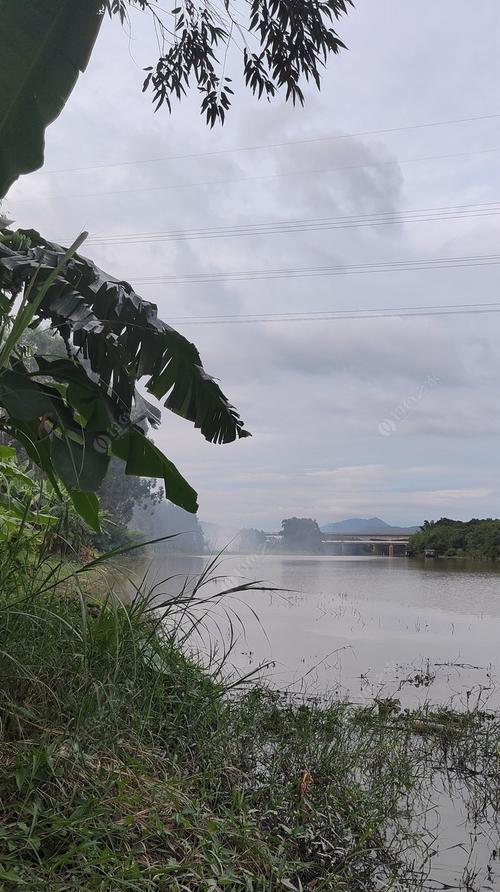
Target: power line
<point>273,176</point>
<point>387,218</point>
<point>276,145</point>
<point>349,313</point>
<point>335,318</point>
<point>330,315</point>
<point>313,271</point>
<point>325,315</point>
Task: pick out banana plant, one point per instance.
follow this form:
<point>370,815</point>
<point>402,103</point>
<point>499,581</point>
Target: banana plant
<point>72,414</point>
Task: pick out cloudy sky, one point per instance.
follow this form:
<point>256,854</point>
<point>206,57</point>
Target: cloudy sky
<point>398,417</point>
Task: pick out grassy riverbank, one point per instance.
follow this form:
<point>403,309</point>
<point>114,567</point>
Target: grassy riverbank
<point>124,765</point>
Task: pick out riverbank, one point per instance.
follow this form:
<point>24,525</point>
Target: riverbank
<point>124,765</point>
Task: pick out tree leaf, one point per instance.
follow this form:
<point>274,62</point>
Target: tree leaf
<point>144,459</point>
<point>36,446</point>
<point>44,45</point>
<point>7,453</point>
<point>83,393</point>
<point>87,506</point>
<point>22,397</point>
<point>80,465</point>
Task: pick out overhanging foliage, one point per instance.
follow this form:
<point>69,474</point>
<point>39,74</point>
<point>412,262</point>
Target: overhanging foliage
<point>283,43</point>
<point>73,414</point>
<point>44,45</point>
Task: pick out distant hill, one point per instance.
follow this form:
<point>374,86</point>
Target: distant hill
<point>365,525</point>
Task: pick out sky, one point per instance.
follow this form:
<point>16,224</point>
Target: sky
<point>396,417</point>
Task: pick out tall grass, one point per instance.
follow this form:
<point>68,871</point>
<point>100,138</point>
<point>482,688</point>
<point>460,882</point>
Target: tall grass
<point>126,765</point>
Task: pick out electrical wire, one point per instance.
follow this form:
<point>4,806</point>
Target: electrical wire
<point>349,313</point>
<point>387,218</point>
<point>334,318</point>
<point>246,179</point>
<point>276,145</point>
<point>328,315</point>
<point>313,271</point>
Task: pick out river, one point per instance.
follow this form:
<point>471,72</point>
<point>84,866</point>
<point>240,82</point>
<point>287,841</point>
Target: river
<point>358,626</point>
<point>363,627</point>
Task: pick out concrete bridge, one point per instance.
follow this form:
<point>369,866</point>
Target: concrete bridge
<point>393,545</point>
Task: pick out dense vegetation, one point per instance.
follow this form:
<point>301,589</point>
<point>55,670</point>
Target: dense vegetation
<point>455,538</point>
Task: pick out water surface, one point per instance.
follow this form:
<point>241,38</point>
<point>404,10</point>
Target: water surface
<point>362,627</point>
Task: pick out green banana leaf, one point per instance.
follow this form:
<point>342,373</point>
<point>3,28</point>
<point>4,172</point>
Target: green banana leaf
<point>44,45</point>
<point>71,415</point>
<point>121,336</point>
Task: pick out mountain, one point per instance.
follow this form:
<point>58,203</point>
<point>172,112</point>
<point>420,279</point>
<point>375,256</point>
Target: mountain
<point>365,525</point>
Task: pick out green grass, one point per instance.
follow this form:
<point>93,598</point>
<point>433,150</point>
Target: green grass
<point>125,765</point>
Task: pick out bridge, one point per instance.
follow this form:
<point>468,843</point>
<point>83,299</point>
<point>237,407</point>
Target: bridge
<point>393,545</point>
<point>365,537</point>
<point>382,545</point>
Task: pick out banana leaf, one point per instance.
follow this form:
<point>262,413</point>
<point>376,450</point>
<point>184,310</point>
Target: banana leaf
<point>44,45</point>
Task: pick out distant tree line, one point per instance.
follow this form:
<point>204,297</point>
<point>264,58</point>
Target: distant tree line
<point>297,534</point>
<point>455,538</point>
<point>301,534</point>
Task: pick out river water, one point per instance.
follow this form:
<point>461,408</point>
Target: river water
<point>363,627</point>
<point>359,626</point>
